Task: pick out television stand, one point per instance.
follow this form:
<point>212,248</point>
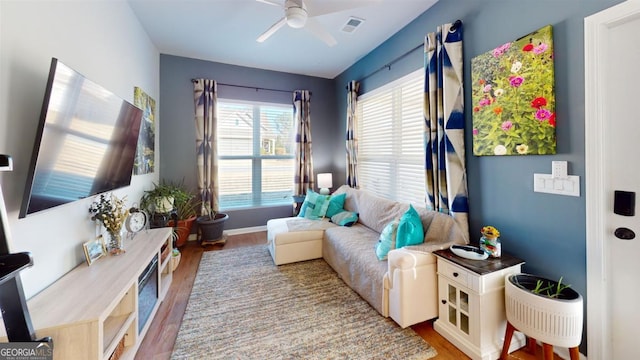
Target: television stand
<point>92,311</point>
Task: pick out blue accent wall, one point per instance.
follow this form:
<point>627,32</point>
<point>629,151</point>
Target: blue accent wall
<point>547,231</point>
<point>177,126</point>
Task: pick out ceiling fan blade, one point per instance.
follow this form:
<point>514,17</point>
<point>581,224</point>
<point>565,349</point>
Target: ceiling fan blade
<point>316,8</point>
<point>320,32</point>
<point>270,31</point>
<point>270,2</point>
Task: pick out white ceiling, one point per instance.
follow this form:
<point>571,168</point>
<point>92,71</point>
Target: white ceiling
<point>225,31</point>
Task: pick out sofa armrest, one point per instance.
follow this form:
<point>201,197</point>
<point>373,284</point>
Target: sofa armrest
<point>406,259</point>
<point>413,286</point>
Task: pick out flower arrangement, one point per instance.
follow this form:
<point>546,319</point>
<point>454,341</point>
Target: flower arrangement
<point>490,232</point>
<point>489,242</point>
<point>111,212</point>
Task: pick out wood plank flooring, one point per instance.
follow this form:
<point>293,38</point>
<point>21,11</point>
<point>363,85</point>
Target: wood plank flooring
<point>160,339</point>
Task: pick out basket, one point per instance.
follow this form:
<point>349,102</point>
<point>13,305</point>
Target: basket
<point>175,260</point>
<point>117,352</point>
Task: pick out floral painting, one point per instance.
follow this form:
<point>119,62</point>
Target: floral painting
<point>513,97</point>
<point>144,161</point>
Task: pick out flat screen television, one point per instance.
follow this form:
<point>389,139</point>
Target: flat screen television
<point>85,142</point>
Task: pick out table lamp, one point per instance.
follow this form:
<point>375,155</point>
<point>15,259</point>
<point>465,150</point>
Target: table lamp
<point>325,181</point>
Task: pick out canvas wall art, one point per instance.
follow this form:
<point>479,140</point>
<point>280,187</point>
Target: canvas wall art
<point>145,153</point>
<point>514,98</point>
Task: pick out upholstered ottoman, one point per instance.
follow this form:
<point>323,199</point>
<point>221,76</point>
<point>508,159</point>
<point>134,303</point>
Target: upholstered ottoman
<point>295,239</point>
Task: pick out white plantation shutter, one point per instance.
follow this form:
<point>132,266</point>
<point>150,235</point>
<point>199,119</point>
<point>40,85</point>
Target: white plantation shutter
<point>256,158</point>
<point>390,140</point>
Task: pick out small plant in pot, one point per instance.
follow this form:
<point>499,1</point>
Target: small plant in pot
<point>170,201</point>
<point>546,310</point>
<point>211,225</point>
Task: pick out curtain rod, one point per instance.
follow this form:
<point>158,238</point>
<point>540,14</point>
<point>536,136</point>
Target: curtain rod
<point>251,87</point>
<point>388,65</point>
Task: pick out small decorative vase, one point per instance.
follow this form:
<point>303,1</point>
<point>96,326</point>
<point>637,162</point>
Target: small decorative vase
<point>115,245</point>
<point>491,246</point>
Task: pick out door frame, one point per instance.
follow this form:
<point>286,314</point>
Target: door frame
<point>598,201</point>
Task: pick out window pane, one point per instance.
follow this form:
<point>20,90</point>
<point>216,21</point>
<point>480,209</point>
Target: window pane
<point>276,130</point>
<point>234,177</point>
<point>256,153</point>
<point>235,129</point>
<point>277,181</point>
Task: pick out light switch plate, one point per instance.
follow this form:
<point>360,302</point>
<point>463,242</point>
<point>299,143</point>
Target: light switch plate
<point>546,183</point>
<point>559,169</point>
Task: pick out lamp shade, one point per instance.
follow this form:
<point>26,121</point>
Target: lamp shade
<point>325,181</point>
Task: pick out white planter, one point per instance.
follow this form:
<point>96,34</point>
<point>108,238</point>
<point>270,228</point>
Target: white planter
<point>551,321</point>
<point>164,205</point>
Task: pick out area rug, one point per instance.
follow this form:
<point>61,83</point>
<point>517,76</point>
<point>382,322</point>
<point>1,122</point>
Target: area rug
<point>244,307</point>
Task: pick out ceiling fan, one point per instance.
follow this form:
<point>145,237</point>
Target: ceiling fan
<point>300,14</point>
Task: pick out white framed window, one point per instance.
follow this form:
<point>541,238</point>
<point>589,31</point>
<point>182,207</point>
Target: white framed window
<point>391,140</point>
<point>255,153</point>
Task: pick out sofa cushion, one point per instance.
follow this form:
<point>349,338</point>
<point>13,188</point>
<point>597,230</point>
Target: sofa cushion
<point>410,231</point>
<point>336,204</point>
<point>387,240</point>
<point>373,211</point>
<point>348,250</point>
<point>314,206</point>
<point>345,218</point>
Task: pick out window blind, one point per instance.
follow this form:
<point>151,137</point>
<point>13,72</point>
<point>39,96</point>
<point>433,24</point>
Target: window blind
<point>390,140</point>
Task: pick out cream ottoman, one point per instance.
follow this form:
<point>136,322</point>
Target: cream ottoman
<point>295,239</point>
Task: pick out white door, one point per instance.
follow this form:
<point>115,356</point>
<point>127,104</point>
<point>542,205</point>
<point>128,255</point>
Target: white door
<point>612,147</point>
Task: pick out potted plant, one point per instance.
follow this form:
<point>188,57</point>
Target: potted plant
<point>171,204</point>
<point>546,310</point>
<point>211,225</point>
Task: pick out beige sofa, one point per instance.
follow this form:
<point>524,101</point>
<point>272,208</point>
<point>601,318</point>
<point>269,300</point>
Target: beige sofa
<point>404,287</point>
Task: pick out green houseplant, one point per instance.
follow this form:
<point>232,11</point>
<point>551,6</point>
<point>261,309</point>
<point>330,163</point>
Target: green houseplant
<point>171,204</point>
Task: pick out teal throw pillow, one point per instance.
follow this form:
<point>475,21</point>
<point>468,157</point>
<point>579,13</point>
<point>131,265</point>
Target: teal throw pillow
<point>410,231</point>
<point>387,240</point>
<point>345,218</point>
<point>314,206</point>
<point>336,204</point>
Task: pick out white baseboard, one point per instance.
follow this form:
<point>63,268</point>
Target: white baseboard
<point>194,237</point>
<point>246,230</point>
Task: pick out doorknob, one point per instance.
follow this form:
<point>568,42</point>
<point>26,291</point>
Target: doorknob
<point>624,233</point>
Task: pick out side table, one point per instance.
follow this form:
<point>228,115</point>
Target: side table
<point>471,308</point>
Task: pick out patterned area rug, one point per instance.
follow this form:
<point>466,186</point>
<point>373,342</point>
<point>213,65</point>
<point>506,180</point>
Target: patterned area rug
<point>244,307</point>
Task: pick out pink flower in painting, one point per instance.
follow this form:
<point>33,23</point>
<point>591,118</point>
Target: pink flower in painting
<point>516,81</point>
<point>543,114</point>
<point>507,125</point>
<point>500,50</point>
<point>540,49</point>
<point>484,102</point>
<point>487,88</point>
<point>475,131</point>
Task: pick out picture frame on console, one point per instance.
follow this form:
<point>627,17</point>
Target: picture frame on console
<point>94,250</point>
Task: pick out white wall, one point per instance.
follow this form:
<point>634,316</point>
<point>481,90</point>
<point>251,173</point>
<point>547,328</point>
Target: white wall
<point>102,40</point>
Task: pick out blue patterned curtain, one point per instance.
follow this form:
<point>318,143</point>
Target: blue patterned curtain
<point>304,178</point>
<point>352,141</point>
<point>446,174</point>
<point>205,101</point>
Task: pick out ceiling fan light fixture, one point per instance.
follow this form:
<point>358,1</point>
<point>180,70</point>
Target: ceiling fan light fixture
<point>296,17</point>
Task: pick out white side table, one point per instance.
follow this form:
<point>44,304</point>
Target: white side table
<point>471,308</point>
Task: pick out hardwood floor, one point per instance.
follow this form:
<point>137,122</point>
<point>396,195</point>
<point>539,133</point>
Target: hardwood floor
<point>161,336</point>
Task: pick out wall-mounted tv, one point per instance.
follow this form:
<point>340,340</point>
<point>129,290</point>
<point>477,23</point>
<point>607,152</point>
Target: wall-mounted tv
<point>85,142</point>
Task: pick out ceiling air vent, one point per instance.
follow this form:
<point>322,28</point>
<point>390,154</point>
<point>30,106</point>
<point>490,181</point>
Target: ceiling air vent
<point>352,25</point>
